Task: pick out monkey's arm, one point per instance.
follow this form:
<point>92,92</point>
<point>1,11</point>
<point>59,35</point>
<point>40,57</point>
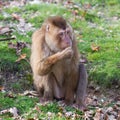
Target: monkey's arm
<point>45,65</point>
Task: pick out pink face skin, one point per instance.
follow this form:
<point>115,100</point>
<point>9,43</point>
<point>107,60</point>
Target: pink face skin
<point>59,40</point>
<point>65,38</point>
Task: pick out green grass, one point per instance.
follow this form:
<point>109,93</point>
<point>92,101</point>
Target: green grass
<point>103,66</point>
<point>22,103</point>
<point>103,30</point>
<point>29,108</point>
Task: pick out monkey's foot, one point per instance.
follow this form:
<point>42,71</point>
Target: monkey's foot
<point>80,107</point>
<point>62,103</point>
<point>45,101</point>
<point>59,99</point>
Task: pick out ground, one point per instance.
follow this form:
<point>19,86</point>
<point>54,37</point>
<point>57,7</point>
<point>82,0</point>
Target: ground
<point>96,25</point>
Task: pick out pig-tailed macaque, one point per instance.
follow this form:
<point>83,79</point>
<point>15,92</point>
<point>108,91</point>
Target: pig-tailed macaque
<point>57,72</point>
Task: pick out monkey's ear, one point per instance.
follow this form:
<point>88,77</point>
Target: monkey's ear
<point>47,27</point>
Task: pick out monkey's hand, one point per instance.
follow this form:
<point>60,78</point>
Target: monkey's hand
<point>67,53</point>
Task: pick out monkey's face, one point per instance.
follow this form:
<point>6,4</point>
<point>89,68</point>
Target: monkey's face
<point>64,38</point>
<point>58,39</point>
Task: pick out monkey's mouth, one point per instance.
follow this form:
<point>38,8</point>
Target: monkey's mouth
<point>64,47</point>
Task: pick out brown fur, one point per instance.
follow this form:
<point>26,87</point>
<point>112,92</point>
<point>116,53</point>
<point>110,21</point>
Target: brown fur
<point>57,21</point>
<point>56,71</point>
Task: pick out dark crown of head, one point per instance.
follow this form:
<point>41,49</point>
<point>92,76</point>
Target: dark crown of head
<point>58,21</point>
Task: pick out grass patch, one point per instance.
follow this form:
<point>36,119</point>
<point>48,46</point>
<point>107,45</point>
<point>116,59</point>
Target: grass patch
<point>29,108</point>
<point>99,26</point>
<point>22,103</point>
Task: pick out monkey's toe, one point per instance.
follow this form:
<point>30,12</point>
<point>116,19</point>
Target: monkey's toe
<point>45,101</point>
<point>80,107</point>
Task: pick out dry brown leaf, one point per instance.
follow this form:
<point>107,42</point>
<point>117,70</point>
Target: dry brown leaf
<point>22,56</point>
<point>30,93</point>
<point>11,45</point>
<point>87,6</point>
<point>106,117</point>
<point>18,46</point>
<point>13,111</point>
<point>4,30</point>
<point>118,116</point>
<point>10,95</point>
<point>59,114</point>
<point>95,47</point>
<point>97,114</point>
<point>15,16</point>
<point>2,88</point>
<point>75,12</point>
<point>81,40</point>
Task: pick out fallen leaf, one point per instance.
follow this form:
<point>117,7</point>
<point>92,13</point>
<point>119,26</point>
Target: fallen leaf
<point>18,46</point>
<point>30,93</point>
<point>59,114</point>
<point>75,12</point>
<point>81,41</point>
<point>2,88</point>
<point>10,95</point>
<point>97,114</point>
<point>109,109</point>
<point>118,116</point>
<point>5,30</point>
<point>111,117</point>
<point>11,45</point>
<point>49,114</point>
<point>95,47</point>
<point>15,16</point>
<point>37,108</point>
<point>68,114</point>
<point>22,57</point>
<point>105,116</point>
<point>88,114</point>
<point>13,111</point>
<point>87,6</point>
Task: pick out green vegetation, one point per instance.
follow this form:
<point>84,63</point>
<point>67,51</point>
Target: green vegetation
<point>10,100</point>
<point>17,101</point>
<point>98,25</point>
<point>28,108</point>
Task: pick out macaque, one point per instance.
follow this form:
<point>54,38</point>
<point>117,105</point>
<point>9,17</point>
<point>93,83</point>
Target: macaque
<point>57,72</point>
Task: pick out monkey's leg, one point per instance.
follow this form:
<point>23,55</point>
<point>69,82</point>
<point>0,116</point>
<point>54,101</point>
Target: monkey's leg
<point>38,84</point>
<point>81,88</point>
<point>43,84</point>
<point>48,88</point>
<point>58,90</point>
<point>70,88</point>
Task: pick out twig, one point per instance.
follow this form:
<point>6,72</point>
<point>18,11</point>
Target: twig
<point>7,39</point>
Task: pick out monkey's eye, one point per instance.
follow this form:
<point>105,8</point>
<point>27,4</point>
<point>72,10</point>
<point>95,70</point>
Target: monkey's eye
<point>68,31</point>
<point>61,34</point>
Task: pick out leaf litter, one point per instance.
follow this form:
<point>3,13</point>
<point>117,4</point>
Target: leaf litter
<point>100,107</point>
